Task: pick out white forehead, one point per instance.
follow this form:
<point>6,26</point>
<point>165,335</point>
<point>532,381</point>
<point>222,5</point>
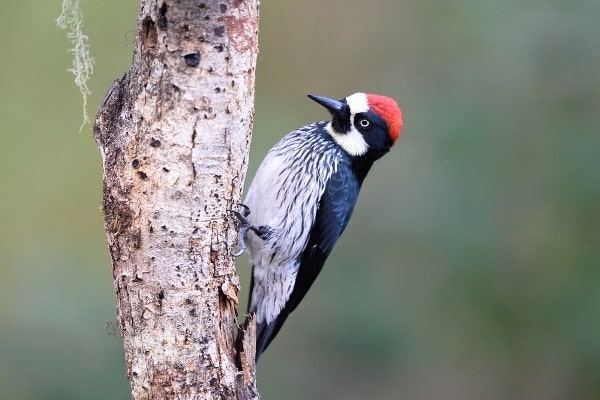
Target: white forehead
<point>358,103</point>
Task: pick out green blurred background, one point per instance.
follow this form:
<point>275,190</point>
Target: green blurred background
<point>471,268</point>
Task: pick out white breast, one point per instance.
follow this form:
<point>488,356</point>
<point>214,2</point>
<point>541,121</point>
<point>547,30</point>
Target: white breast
<point>285,194</point>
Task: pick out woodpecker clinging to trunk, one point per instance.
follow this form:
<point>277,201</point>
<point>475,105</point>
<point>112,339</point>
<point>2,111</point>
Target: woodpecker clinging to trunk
<point>302,197</point>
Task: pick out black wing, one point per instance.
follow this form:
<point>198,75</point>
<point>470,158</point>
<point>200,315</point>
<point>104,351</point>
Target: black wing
<point>335,209</point>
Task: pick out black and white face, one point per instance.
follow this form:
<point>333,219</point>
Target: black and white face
<point>343,126</point>
<point>358,130</point>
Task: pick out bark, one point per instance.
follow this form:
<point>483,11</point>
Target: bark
<point>174,134</point>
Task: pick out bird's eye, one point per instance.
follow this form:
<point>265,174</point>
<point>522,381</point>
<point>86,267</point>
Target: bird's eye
<point>364,123</point>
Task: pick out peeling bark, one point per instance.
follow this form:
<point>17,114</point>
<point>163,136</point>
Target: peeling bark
<point>174,134</point>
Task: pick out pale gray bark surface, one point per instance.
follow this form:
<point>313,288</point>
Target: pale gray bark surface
<point>174,134</point>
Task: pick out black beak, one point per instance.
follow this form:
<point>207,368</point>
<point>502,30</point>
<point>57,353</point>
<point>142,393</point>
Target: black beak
<point>334,106</point>
<point>340,112</point>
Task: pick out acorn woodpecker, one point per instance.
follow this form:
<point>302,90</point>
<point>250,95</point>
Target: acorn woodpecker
<point>302,197</point>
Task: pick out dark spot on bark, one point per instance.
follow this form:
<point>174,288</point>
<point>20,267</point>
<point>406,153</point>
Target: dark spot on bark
<point>201,39</point>
<point>195,230</point>
<point>193,312</point>
<point>135,163</point>
<point>142,175</point>
<point>162,17</point>
<point>213,257</point>
<point>151,229</point>
<point>232,83</point>
<point>210,70</point>
<point>161,294</point>
<point>186,27</point>
<point>149,35</point>
<point>207,18</point>
<point>217,90</point>
<point>213,382</point>
<point>202,5</point>
<point>115,102</point>
<point>155,143</point>
<point>179,367</point>
<point>136,239</point>
<point>165,169</point>
<point>163,227</point>
<point>223,7</point>
<point>219,31</point>
<point>192,59</point>
<point>218,48</point>
<point>137,279</point>
<point>188,301</point>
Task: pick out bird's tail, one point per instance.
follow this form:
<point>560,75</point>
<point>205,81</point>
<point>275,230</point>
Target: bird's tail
<point>265,333</point>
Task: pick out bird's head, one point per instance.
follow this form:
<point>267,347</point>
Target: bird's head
<point>363,124</point>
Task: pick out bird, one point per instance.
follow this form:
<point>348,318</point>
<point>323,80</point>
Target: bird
<point>301,199</point>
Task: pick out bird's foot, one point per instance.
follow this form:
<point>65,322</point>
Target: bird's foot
<point>262,231</point>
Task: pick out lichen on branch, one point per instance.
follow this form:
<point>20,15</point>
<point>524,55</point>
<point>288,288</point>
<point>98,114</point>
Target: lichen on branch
<point>71,20</point>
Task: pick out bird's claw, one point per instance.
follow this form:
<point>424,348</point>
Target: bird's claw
<point>245,212</point>
<point>263,231</point>
<point>245,226</point>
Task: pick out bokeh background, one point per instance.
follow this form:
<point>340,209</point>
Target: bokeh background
<point>471,267</point>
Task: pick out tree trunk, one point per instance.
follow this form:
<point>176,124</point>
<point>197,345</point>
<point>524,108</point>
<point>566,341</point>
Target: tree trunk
<point>174,134</point>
